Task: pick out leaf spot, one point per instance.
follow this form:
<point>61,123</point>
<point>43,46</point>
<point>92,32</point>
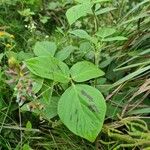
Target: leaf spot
<point>86,95</point>
<point>93,108</point>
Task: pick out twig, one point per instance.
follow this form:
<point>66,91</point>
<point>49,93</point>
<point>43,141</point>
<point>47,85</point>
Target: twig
<point>114,92</point>
<point>21,128</point>
<point>147,93</point>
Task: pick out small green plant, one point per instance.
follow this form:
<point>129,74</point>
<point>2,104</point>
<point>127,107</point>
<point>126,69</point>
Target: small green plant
<point>81,107</point>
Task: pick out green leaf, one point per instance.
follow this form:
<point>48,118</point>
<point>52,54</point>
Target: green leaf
<point>50,108</point>
<point>49,68</point>
<point>26,147</point>
<point>84,70</point>
<point>78,11</point>
<point>99,1</point>
<point>84,111</point>
<point>81,34</point>
<point>83,1</point>
<point>37,83</point>
<point>29,125</point>
<point>45,48</point>
<point>47,90</point>
<point>104,10</point>
<point>26,12</point>
<point>65,52</point>
<point>105,32</point>
<point>93,1</point>
<point>116,38</point>
<point>21,56</point>
<point>85,48</point>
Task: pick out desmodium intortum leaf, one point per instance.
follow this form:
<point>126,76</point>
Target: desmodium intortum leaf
<point>82,109</point>
<point>84,70</point>
<point>81,34</point>
<point>115,38</point>
<point>78,11</point>
<point>45,48</point>
<point>65,52</point>
<point>49,68</point>
<point>105,32</point>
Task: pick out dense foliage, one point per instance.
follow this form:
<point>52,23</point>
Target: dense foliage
<point>74,74</point>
